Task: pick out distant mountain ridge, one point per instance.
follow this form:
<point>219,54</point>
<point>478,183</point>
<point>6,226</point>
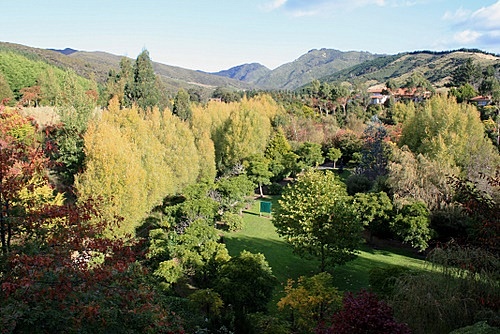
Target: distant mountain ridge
<point>323,64</point>
<point>437,67</point>
<point>246,72</point>
<point>66,51</point>
<point>312,65</point>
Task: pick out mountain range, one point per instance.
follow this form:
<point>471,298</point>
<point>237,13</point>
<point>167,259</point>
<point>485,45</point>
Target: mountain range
<point>323,64</point>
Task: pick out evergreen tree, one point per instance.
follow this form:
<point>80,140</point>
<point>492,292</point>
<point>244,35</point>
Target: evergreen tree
<point>182,107</point>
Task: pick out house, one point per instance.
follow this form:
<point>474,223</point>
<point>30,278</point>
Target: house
<point>481,101</point>
<point>378,94</point>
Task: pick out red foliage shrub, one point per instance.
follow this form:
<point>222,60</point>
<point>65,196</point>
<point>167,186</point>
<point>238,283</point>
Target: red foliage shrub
<point>363,314</point>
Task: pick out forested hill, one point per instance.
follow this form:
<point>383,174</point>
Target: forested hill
<point>98,64</point>
<point>324,64</point>
<point>312,65</point>
<point>436,67</point>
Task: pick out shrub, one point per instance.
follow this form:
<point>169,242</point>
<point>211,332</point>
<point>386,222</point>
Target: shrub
<point>357,183</point>
<point>364,313</point>
<point>275,189</point>
<point>232,221</point>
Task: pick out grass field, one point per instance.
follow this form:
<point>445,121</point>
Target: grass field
<point>259,236</point>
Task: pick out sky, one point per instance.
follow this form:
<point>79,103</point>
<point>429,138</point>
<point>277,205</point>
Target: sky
<point>216,35</point>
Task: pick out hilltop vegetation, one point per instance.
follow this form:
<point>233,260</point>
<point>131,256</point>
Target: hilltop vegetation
<point>437,67</point>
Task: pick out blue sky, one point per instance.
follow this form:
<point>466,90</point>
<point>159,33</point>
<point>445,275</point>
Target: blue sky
<point>216,35</point>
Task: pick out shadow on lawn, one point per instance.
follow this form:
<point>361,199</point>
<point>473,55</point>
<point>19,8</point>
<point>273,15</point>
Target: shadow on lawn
<point>352,276</point>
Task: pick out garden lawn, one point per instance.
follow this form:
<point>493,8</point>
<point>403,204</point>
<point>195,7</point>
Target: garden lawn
<point>259,236</point>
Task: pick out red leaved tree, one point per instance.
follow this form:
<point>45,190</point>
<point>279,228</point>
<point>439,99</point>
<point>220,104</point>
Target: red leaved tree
<point>364,313</point>
<point>58,273</point>
<point>21,159</point>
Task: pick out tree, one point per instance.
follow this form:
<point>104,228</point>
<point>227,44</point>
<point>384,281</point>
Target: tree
<point>463,93</point>
<point>182,106</point>
<point>65,277</point>
<point>310,300</point>
<point>310,154</point>
<point>334,155</point>
<point>244,133</point>
<point>5,91</point>
<point>232,192</point>
<point>277,150</point>
<point>364,313</point>
<point>143,89</point>
<point>257,168</point>
<point>22,167</point>
<point>375,210</point>
<point>467,73</point>
<point>195,253</point>
<point>451,133</point>
<point>374,154</point>
<point>316,217</point>
<point>411,225</point>
<point>234,288</point>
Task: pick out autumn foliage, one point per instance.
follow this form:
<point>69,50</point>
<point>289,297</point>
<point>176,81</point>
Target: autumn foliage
<point>364,313</point>
<point>57,272</point>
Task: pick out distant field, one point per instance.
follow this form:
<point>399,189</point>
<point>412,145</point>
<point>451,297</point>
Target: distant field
<point>259,236</point>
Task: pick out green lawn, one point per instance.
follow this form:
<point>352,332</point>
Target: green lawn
<point>259,236</point>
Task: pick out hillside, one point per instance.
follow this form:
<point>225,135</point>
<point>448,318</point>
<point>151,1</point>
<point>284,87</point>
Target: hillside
<point>436,67</point>
<point>246,72</point>
<point>98,64</point>
<point>313,65</point>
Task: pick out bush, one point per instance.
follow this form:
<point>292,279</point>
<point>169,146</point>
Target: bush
<point>478,328</point>
<point>232,221</point>
<point>364,313</point>
<point>357,183</point>
<point>275,189</point>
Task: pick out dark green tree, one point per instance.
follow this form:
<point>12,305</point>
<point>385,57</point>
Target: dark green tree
<point>310,154</point>
<point>182,105</point>
<point>467,73</point>
<point>143,88</point>
<point>411,225</point>
<point>245,283</point>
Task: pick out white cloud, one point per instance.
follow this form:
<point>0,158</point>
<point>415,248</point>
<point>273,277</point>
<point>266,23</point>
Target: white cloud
<point>300,8</point>
<point>487,17</point>
<point>467,36</point>
<point>275,4</point>
<point>459,15</point>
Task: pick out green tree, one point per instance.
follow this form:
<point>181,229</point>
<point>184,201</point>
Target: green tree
<point>310,154</point>
<point>317,217</point>
<point>5,91</point>
<point>233,192</point>
<point>277,150</point>
<point>463,93</point>
<point>182,105</point>
<point>411,225</point>
<point>334,155</point>
<point>375,210</point>
<point>257,168</point>
<point>245,282</point>
<point>467,73</point>
<point>195,253</point>
<point>143,89</point>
